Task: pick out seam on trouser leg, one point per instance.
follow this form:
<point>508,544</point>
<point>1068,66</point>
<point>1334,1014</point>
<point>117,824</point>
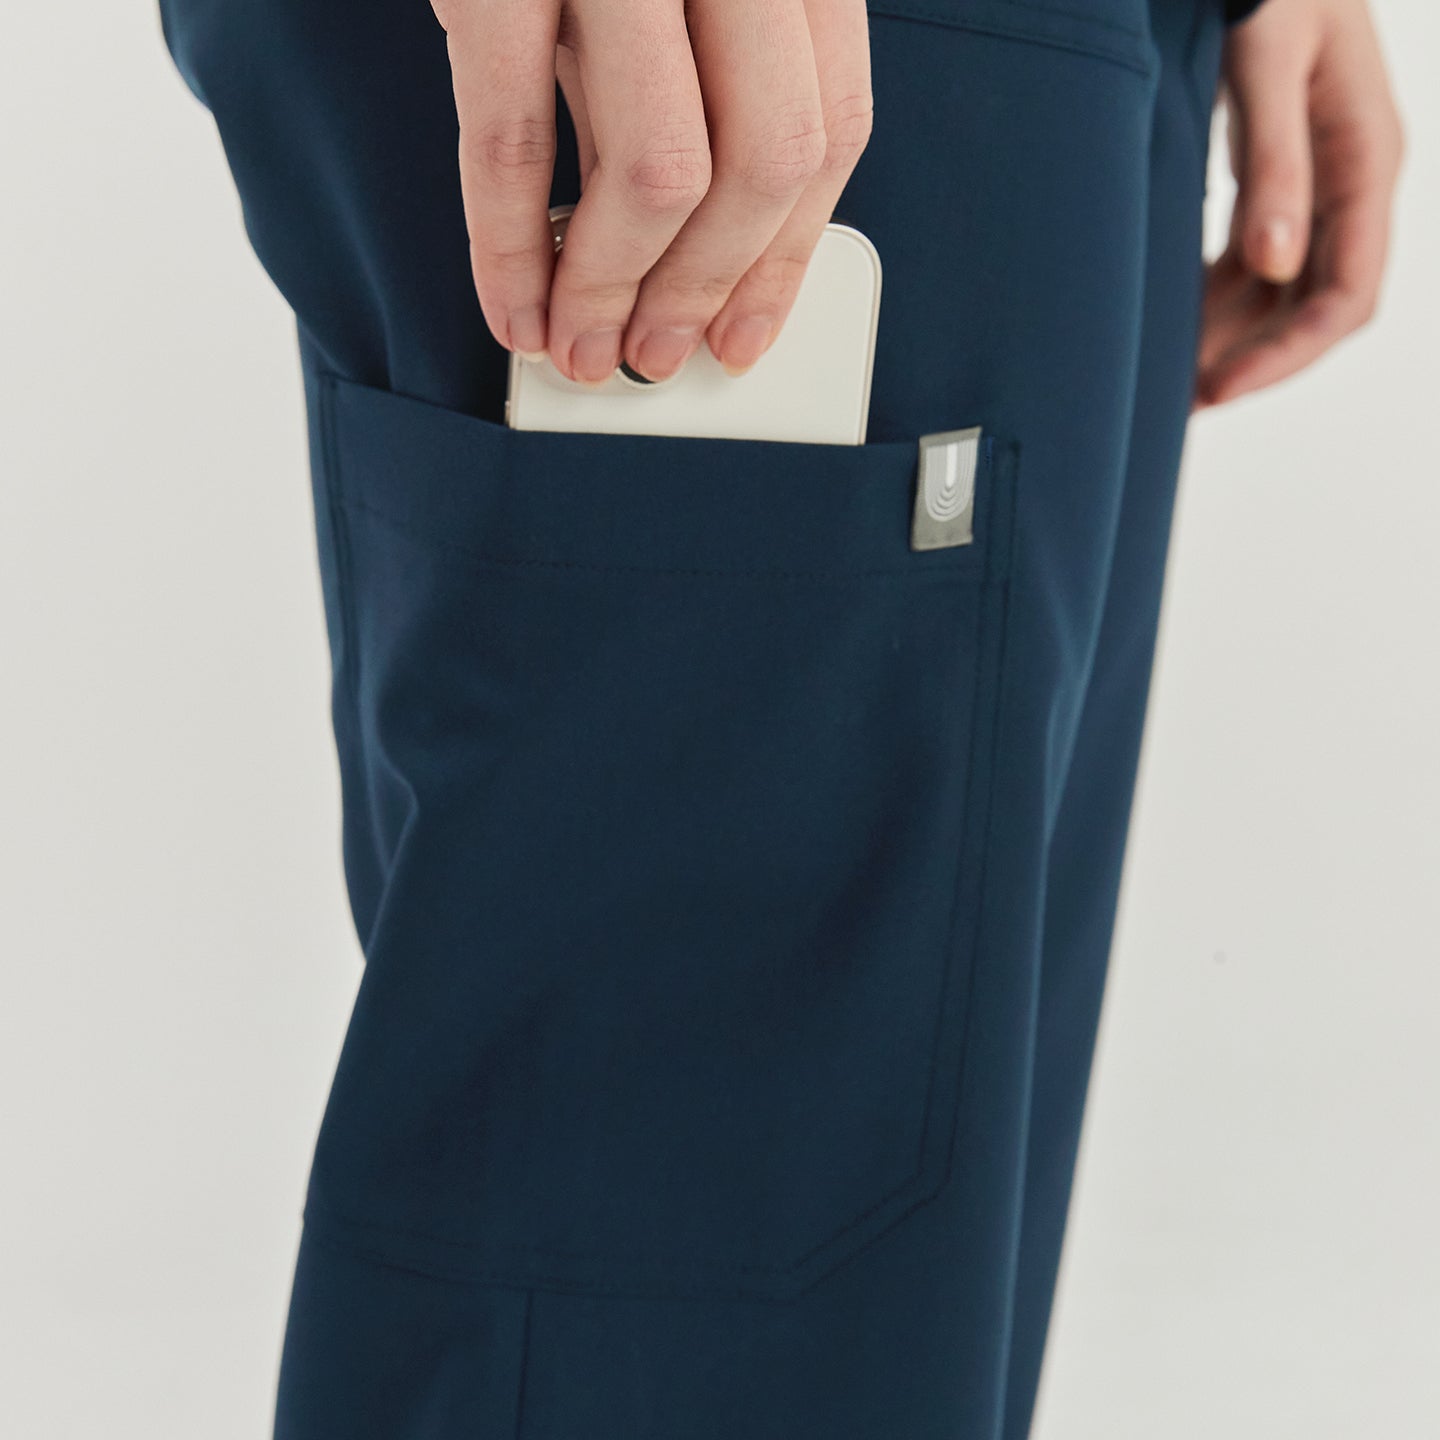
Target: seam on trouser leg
<point>522,1370</point>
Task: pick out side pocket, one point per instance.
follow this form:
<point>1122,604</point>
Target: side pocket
<point>679,760</point>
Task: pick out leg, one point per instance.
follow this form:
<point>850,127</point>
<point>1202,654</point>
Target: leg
<point>696,830</point>
<point>1087,850</point>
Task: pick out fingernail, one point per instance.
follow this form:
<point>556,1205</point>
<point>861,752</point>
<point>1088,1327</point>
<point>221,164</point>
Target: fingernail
<point>1277,243</point>
<point>663,352</point>
<point>527,332</point>
<point>744,342</point>
<point>595,355</point>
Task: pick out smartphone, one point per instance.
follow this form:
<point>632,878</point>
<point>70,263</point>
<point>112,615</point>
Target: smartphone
<point>813,384</point>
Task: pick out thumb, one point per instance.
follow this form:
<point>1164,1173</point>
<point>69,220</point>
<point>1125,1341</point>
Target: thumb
<point>1274,166</point>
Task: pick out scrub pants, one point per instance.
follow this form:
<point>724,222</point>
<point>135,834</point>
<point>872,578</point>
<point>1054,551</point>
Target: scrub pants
<point>735,883</point>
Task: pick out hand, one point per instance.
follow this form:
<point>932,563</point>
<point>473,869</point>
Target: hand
<point>715,138</point>
<point>1315,145</point>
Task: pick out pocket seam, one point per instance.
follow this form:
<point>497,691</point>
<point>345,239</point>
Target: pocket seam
<point>340,532</point>
<point>908,574</point>
<point>1137,56</point>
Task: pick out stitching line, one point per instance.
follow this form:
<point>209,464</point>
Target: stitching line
<point>316,1234</point>
<point>1051,11</point>
<point>524,1365</point>
<point>1004,687</point>
<point>967,573</point>
<point>1029,35</point>
<point>999,469</point>
<point>340,537</point>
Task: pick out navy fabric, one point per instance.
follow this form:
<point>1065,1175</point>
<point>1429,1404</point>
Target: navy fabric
<point>735,884</point>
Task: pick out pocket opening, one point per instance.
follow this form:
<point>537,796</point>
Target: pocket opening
<point>647,503</point>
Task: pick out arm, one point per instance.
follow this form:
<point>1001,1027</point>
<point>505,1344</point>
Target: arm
<point>1316,146</point>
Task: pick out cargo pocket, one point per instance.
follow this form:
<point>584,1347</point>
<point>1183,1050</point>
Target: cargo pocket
<point>672,759</point>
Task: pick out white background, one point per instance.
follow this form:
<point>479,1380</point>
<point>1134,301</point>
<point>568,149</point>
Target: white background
<point>1250,1254</point>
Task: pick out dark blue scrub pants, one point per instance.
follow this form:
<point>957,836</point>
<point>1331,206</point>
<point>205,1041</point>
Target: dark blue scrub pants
<point>735,883</point>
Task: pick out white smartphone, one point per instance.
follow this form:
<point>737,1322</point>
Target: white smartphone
<point>813,384</point>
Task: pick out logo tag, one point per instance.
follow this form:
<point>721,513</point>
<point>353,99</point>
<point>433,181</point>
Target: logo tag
<point>945,489</point>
